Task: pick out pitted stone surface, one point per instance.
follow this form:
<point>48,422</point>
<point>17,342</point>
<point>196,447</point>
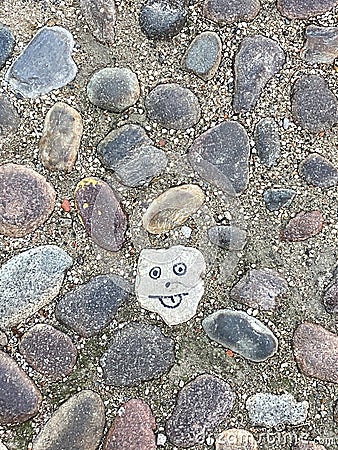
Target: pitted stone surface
<point>318,171</point>
<point>100,16</point>
<point>321,46</point>
<point>300,9</point>
<point>303,226</point>
<point>229,11</point>
<point>267,142</point>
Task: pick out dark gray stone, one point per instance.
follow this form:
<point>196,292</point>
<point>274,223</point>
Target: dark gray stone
<point>7,43</point>
<point>221,156</point>
<point>160,19</point>
<point>314,106</point>
<point>275,199</point>
<point>77,424</point>
<point>100,16</point>
<point>114,89</point>
<point>228,237</point>
<point>267,142</point>
<point>241,333</point>
<point>9,118</point>
<point>229,11</point>
<point>300,9</point>
<point>321,46</point>
<point>45,64</point>
<point>318,171</point>
<point>136,353</point>
<point>330,298</point>
<point>203,55</point>
<point>92,306</point>
<point>20,398</point>
<point>202,404</point>
<point>258,60</point>
<point>173,106</point>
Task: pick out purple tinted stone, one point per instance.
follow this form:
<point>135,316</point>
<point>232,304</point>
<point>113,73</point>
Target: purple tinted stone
<point>100,16</point>
<point>229,11</point>
<point>303,9</point>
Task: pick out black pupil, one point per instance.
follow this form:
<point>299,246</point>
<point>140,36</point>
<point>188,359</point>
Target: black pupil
<point>155,272</point>
<point>180,269</point>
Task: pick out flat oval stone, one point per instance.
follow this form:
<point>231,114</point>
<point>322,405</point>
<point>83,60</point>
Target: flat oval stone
<point>203,56</point>
<point>318,171</point>
<point>308,445</point>
<point>241,333</point>
<point>20,398</point>
<point>45,64</point>
<point>114,89</point>
<point>229,11</point>
<point>321,46</point>
<point>77,425</point>
<point>48,351</point>
<point>172,208</point>
<point>9,118</point>
<point>133,428</point>
<point>303,226</point>
<point>101,213</point>
<point>61,136</point>
<point>316,352</point>
<point>228,237</point>
<point>92,306</point>
<point>271,410</point>
<point>161,19</point>
<point>221,156</point>
<point>299,9</point>
<point>267,142</point>
<point>314,106</point>
<point>275,199</point>
<point>330,298</point>
<point>100,16</point>
<point>137,353</point>
<point>29,281</point>
<point>260,289</point>
<point>26,200</point>
<point>236,439</point>
<point>173,106</point>
<point>257,61</point>
<point>7,43</point>
<point>202,404</point>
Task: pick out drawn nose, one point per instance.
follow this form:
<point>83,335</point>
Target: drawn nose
<point>167,284</point>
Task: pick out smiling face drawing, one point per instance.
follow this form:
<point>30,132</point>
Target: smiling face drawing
<point>169,282</point>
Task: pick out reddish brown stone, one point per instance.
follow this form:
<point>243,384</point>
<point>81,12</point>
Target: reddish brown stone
<point>26,200</point>
<point>133,428</point>
<point>303,226</point>
<point>330,299</point>
<point>316,352</point>
<point>308,445</point>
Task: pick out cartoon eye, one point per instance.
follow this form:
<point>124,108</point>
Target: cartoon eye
<point>155,273</point>
<point>180,269</point>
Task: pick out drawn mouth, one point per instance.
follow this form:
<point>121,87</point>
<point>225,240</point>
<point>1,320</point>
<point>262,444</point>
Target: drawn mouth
<point>169,301</point>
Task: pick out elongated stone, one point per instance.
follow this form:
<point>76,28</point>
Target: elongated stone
<point>201,405</point>
<point>100,16</point>
<point>229,11</point>
<point>45,64</point>
<point>9,118</point>
<point>241,333</point>
<point>221,156</point>
<point>275,199</point>
<point>299,9</point>
<point>77,425</point>
<point>7,43</point>
<point>172,208</point>
<point>303,226</point>
<point>330,298</point>
<point>267,142</point>
<point>29,281</point>
<point>258,60</point>
<point>61,136</point>
<point>318,171</point>
<point>236,439</point>
<point>26,200</point>
<point>20,398</point>
<point>101,213</point>
<point>321,46</point>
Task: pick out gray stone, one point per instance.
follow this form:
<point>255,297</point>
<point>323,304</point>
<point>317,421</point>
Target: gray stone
<point>236,439</point>
<point>161,19</point>
<point>330,298</point>
<point>203,55</point>
<point>92,306</point>
<point>29,281</point>
<point>48,351</point>
<point>9,118</point>
<point>321,46</point>
<point>100,16</point>
<point>20,398</point>
<point>228,237</point>
<point>45,64</point>
<point>314,106</point>
<point>114,89</point>
<point>202,405</point>
<point>221,156</point>
<point>138,352</point>
<point>300,9</point>
<point>7,43</point>
<point>76,425</point>
<point>267,142</point>
<point>257,61</point>
<point>260,288</point>
<point>3,339</point>
<point>229,11</point>
<point>272,410</point>
<point>170,282</point>
<point>318,171</point>
<point>61,137</point>
<point>303,226</point>
<point>241,333</point>
<point>173,106</point>
<point>275,199</point>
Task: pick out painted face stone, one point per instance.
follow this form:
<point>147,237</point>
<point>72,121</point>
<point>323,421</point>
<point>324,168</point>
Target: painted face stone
<point>170,282</point>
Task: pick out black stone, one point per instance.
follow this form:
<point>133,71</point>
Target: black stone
<point>7,43</point>
<point>276,199</point>
<point>319,172</point>
<point>267,142</point>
